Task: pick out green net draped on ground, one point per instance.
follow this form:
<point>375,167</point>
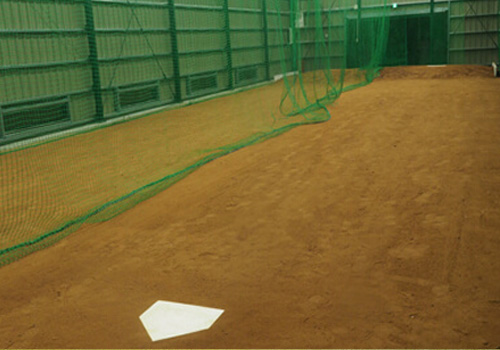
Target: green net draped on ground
<point>75,77</point>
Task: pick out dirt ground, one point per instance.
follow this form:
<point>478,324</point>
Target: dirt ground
<point>378,229</point>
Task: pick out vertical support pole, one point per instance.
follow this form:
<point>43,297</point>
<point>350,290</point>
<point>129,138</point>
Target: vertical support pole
<point>227,30</point>
<point>2,127</point>
<point>433,41</point>
<point>498,28</point>
<point>293,30</point>
<point>96,77</point>
<point>449,32</point>
<point>175,51</point>
<point>358,28</point>
<point>266,39</point>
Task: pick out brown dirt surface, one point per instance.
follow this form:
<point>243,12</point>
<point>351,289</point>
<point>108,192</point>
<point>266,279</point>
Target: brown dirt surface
<point>438,72</point>
<point>378,229</point>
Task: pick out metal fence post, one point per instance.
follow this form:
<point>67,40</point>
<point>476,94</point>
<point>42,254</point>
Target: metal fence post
<point>266,39</point>
<point>227,29</point>
<point>96,77</point>
<point>175,50</point>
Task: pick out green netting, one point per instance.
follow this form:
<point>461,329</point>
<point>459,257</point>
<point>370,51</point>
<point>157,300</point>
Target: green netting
<point>73,73</point>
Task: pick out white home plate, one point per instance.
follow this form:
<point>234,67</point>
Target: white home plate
<point>165,320</point>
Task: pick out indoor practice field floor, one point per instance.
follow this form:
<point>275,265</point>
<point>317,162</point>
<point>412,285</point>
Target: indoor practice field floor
<point>377,229</point>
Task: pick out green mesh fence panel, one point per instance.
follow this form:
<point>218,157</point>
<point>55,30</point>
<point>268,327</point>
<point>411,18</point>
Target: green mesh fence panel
<point>74,75</point>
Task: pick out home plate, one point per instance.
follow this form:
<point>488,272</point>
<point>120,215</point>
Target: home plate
<point>165,320</point>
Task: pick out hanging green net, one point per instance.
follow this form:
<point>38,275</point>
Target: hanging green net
<point>104,104</point>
